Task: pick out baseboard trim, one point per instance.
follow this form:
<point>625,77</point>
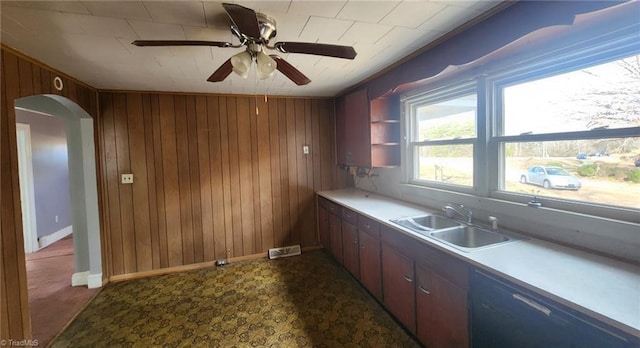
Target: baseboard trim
<point>94,281</point>
<point>80,278</point>
<point>162,271</point>
<point>54,237</point>
<point>191,267</point>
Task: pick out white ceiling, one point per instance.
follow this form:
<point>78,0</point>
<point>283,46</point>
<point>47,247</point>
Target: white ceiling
<point>91,40</point>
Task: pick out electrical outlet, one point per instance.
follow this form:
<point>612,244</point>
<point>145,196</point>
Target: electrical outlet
<point>127,178</point>
<point>305,149</point>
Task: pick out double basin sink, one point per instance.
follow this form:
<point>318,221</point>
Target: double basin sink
<point>464,237</point>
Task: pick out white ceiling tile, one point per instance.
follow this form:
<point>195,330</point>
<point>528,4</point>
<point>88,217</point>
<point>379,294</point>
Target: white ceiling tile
<point>38,21</point>
<point>59,6</point>
<point>404,14</point>
<point>482,5</point>
<point>216,16</point>
<point>157,31</point>
<point>398,36</point>
<point>121,9</point>
<point>209,34</point>
<point>265,6</point>
<point>103,26</point>
<point>361,32</point>
<point>289,26</point>
<point>367,11</point>
<point>450,17</point>
<point>92,49</point>
<point>316,8</point>
<point>177,12</point>
<point>325,30</point>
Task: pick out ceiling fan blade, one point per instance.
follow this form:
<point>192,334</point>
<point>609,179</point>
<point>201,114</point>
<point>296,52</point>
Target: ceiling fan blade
<point>223,71</point>
<point>245,19</point>
<point>290,71</point>
<point>145,43</point>
<point>337,51</point>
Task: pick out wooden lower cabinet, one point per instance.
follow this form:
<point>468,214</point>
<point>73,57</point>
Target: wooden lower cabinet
<point>398,286</point>
<point>423,287</point>
<point>350,249</point>
<point>370,265</point>
<point>441,310</point>
<point>323,224</point>
<point>335,237</point>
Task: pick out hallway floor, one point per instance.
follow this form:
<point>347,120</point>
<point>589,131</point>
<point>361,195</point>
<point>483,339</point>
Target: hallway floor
<point>52,299</point>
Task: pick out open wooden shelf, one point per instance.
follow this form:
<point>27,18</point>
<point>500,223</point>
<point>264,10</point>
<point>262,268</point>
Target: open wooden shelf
<point>385,131</point>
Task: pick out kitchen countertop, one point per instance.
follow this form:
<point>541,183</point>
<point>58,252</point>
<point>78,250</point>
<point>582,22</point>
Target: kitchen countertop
<point>603,288</point>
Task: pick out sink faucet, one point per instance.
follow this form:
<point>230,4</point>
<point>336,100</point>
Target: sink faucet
<point>449,210</point>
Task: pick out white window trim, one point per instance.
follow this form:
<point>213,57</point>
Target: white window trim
<point>420,97</point>
<point>488,159</point>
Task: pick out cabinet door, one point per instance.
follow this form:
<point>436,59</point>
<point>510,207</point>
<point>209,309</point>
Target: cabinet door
<point>370,271</point>
<point>350,248</point>
<point>398,286</point>
<point>335,236</point>
<point>357,141</point>
<point>323,225</point>
<point>441,310</point>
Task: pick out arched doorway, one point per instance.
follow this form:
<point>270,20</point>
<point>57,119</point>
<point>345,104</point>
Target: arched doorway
<point>83,188</point>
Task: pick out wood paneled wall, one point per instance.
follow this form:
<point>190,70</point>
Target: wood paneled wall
<point>212,180</point>
<point>21,77</point>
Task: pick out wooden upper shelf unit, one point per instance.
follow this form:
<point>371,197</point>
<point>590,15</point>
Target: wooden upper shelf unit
<point>385,131</point>
<point>368,131</point>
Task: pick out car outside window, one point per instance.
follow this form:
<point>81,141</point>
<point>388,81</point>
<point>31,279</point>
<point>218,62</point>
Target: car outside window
<point>582,124</point>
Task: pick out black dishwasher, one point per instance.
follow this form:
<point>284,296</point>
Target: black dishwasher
<point>504,315</point>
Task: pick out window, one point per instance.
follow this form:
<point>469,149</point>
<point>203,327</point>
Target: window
<point>563,127</point>
<point>573,135</point>
<point>443,137</point>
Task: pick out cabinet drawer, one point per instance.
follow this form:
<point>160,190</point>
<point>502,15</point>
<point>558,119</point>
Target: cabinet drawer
<point>454,270</point>
<point>322,202</point>
<point>333,208</point>
<point>369,226</point>
<point>350,216</point>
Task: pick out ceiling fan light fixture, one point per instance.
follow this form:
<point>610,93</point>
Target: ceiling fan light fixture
<point>241,63</point>
<point>266,65</point>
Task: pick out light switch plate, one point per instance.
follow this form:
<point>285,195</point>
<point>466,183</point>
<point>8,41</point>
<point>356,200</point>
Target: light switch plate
<point>305,149</point>
<point>127,178</point>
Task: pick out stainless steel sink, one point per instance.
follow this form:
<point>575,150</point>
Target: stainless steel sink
<point>468,238</point>
<point>426,223</point>
<point>462,236</point>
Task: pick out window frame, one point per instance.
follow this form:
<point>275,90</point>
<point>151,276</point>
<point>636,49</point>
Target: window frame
<point>419,98</point>
<point>489,144</point>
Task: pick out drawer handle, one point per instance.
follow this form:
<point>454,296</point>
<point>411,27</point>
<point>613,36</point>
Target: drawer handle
<point>532,304</point>
<point>423,290</point>
<point>407,279</point>
<point>362,245</point>
<point>367,226</point>
<point>355,242</point>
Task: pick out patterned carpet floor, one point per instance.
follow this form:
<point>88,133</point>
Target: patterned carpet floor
<point>300,301</point>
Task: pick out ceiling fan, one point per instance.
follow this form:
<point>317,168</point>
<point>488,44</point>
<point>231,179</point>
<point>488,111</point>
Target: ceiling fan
<point>255,30</point>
